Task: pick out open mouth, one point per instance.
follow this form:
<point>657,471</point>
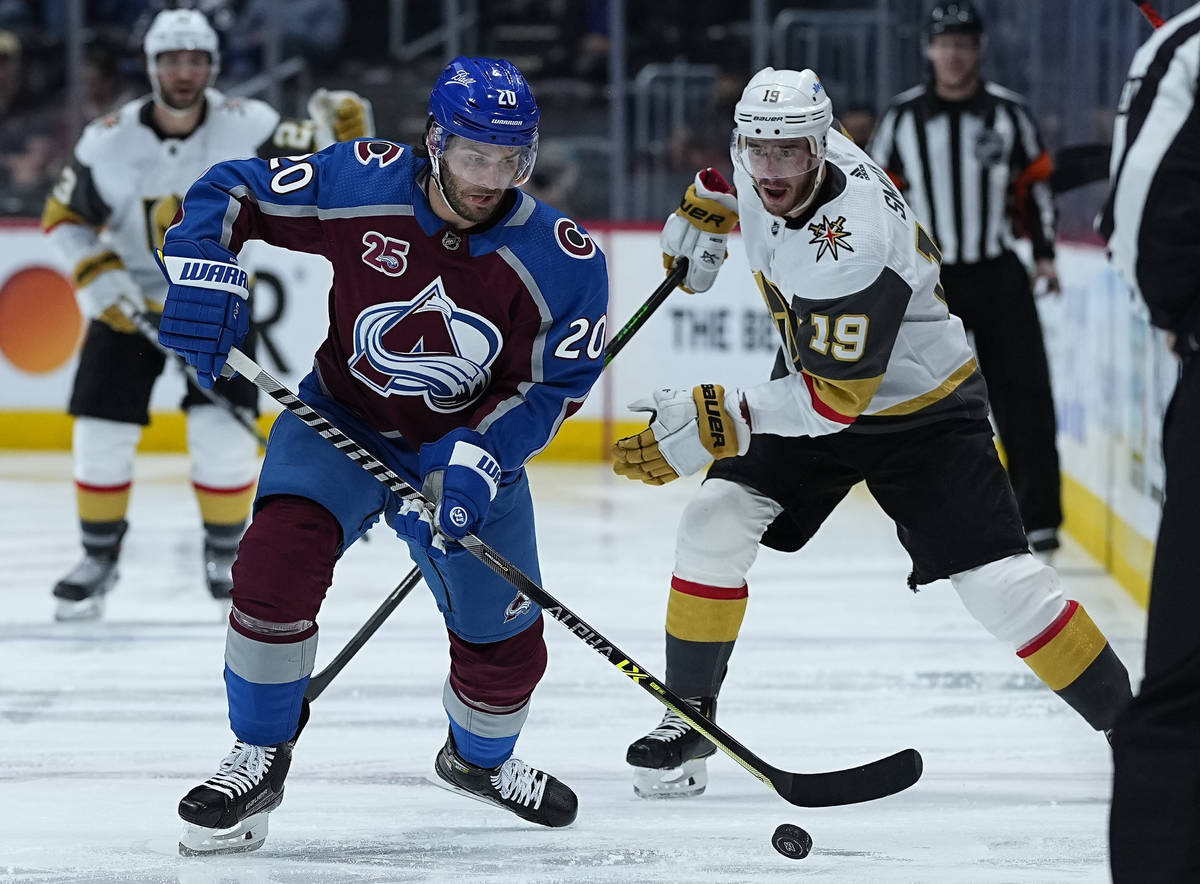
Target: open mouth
<point>773,192</point>
<point>481,200</point>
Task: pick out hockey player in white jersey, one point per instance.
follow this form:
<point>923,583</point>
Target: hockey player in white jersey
<point>874,382</point>
<point>107,215</point>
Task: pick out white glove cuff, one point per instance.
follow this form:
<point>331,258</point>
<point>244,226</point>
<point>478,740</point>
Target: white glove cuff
<point>464,454</point>
<point>733,406</point>
<point>205,274</point>
<point>106,290</point>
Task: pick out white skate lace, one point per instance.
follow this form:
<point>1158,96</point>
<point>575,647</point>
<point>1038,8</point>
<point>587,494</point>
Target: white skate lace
<point>517,781</point>
<point>672,727</point>
<point>242,770</point>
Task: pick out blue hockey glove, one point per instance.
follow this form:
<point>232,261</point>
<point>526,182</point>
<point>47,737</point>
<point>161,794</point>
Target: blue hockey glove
<point>468,476</point>
<point>206,312</point>
<point>414,524</point>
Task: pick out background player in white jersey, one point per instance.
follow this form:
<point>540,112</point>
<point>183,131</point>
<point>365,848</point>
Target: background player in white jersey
<point>107,215</point>
<point>466,322</point>
<point>874,382</point>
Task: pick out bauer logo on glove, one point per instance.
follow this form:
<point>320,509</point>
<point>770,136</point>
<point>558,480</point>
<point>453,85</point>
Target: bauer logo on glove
<point>688,429</point>
<point>699,228</point>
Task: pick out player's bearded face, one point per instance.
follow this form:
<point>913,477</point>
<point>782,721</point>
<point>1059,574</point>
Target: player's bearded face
<point>474,176</point>
<point>182,76</point>
<point>784,170</point>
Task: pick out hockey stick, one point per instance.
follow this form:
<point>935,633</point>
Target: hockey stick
<point>320,681</point>
<point>652,303</point>
<point>149,331</point>
<point>1152,16</point>
<point>864,783</point>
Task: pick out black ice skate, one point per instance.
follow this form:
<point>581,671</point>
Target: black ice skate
<point>670,761</point>
<point>526,791</point>
<point>218,570</point>
<point>80,595</point>
<point>227,813</point>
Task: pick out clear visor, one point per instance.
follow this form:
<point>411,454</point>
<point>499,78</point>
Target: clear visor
<point>776,157</point>
<point>481,164</point>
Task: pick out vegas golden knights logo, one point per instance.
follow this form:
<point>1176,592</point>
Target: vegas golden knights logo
<point>160,212</point>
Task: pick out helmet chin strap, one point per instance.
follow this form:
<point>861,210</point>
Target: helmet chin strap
<point>435,174</point>
<point>812,194</point>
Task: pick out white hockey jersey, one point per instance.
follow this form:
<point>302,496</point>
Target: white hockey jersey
<point>852,285</point>
<point>117,197</point>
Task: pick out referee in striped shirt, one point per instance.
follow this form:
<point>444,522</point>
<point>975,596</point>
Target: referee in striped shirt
<point>1152,223</point>
<point>971,163</point>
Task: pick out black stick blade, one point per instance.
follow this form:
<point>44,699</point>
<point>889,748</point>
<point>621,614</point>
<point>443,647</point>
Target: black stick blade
<point>879,779</point>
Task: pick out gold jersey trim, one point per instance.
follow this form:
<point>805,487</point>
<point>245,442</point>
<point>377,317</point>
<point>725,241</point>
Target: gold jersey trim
<point>937,394</point>
<point>848,396</point>
<point>89,268</point>
<point>55,213</point>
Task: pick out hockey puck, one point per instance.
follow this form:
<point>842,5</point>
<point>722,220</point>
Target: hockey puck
<point>792,841</point>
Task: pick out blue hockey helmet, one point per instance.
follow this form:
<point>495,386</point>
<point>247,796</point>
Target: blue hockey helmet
<point>485,100</point>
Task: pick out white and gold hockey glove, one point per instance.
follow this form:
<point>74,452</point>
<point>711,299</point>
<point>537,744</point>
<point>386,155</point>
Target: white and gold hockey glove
<point>101,283</point>
<point>688,430</point>
<point>699,228</point>
<point>340,115</point>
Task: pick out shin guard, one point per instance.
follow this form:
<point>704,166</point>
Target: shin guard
<point>702,625</point>
<point>1075,660</point>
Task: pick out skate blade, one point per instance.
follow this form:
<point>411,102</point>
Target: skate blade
<point>436,780</point>
<point>686,781</point>
<point>247,835</point>
<point>68,611</point>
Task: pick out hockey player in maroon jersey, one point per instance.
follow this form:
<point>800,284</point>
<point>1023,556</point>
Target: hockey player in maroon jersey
<point>466,323</point>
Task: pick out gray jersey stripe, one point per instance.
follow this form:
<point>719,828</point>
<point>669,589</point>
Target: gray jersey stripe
<point>491,725</point>
<point>267,663</point>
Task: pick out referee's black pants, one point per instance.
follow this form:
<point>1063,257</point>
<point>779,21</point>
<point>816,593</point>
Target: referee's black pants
<point>1154,828</point>
<point>994,299</point>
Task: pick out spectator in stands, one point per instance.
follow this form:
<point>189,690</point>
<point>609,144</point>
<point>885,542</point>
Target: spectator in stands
<point>311,29</point>
<point>104,89</point>
<point>858,119</point>
<point>32,137</point>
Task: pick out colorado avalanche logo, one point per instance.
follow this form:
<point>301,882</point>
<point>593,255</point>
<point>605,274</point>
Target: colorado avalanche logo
<point>378,151</point>
<point>426,347</point>
<point>517,607</point>
<point>572,239</point>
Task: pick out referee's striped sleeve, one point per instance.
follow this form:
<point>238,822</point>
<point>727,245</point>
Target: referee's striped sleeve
<point>882,147</point>
<point>1152,216</point>
<point>1033,196</point>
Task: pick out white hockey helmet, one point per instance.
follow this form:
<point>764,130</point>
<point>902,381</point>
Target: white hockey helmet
<point>175,29</point>
<point>781,105</point>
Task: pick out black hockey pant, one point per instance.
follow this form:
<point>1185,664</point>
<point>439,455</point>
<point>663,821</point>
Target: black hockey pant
<point>994,299</point>
<point>1154,829</point>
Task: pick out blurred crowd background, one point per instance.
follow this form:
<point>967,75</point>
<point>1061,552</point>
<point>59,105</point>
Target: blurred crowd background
<point>635,96</point>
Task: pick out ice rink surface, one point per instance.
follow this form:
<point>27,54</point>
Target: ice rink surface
<point>103,727</point>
